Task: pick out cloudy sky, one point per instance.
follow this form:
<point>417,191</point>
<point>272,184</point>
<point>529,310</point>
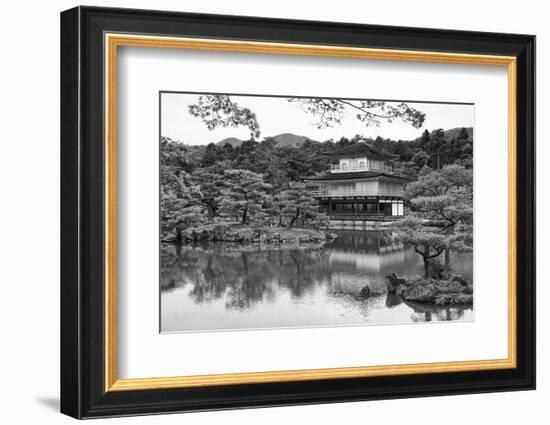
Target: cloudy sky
<point>277,115</point>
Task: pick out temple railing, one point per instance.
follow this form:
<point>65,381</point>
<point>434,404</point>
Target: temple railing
<point>336,193</point>
<point>337,168</point>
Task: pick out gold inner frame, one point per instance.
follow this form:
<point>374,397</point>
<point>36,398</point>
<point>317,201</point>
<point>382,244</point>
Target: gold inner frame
<point>113,41</point>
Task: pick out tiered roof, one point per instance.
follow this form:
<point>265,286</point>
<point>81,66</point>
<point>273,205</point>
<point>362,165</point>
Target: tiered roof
<point>355,175</point>
<point>361,149</point>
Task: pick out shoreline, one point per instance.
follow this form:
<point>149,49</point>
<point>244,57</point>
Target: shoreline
<point>447,291</point>
<point>246,235</point>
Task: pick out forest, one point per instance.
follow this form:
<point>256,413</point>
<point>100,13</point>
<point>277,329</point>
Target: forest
<point>255,189</point>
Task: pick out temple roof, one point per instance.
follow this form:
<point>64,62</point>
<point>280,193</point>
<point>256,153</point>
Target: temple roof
<point>354,175</point>
<point>361,148</point>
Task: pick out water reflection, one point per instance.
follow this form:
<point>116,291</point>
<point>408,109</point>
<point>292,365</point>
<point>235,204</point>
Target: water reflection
<point>225,286</point>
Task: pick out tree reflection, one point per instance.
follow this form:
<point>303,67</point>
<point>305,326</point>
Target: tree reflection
<point>244,277</point>
<point>426,312</point>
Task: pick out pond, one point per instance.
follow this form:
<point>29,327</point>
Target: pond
<point>221,286</point>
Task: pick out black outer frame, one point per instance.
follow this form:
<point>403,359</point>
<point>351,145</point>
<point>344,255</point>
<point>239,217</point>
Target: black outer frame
<point>82,212</point>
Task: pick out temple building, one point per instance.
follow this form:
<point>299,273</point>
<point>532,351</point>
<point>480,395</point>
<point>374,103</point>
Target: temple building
<point>360,185</point>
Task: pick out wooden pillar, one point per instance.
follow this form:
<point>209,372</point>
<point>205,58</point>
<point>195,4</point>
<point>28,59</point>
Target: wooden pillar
<point>378,206</point>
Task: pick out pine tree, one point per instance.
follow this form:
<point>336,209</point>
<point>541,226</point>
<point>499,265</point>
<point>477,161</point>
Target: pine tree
<point>180,208</point>
<point>210,182</point>
<point>442,213</point>
<point>297,204</point>
<point>242,194</point>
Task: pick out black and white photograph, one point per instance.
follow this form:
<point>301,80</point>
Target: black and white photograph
<point>289,211</point>
<point>263,210</point>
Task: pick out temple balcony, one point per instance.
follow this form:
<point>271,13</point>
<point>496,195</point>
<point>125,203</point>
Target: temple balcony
<point>342,168</point>
<point>351,192</point>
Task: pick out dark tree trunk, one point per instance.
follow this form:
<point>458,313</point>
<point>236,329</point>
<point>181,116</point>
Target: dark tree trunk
<point>209,265</point>
<point>447,259</point>
<point>245,261</point>
<point>293,220</point>
<point>450,230</point>
<point>179,238</point>
<point>426,268</point>
<point>245,213</point>
<point>210,211</point>
<point>426,256</point>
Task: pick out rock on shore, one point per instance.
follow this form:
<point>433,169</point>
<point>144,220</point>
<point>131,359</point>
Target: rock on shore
<point>452,291</point>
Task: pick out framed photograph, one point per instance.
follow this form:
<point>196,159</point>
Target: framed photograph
<point>261,212</point>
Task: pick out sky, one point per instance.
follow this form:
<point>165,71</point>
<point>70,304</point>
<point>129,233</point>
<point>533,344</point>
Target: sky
<point>277,115</point>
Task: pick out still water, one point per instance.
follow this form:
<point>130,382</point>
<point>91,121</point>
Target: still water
<point>223,286</point>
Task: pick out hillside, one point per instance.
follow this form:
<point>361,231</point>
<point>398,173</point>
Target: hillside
<point>284,140</point>
<point>233,141</point>
<point>289,140</point>
<point>453,132</point>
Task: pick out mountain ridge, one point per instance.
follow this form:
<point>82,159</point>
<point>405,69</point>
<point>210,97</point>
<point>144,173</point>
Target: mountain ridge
<point>291,140</point>
<point>451,133</point>
<point>283,140</point>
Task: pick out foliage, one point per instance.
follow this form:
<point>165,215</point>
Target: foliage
<point>296,204</point>
<point>180,208</point>
<point>266,192</point>
<point>446,195</point>
<point>220,111</point>
<point>442,213</point>
<point>258,183</point>
<point>429,243</point>
<point>330,112</point>
<point>174,160</point>
<point>242,194</point>
<point>210,181</point>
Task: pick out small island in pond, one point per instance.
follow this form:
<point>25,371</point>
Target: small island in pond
<point>288,193</point>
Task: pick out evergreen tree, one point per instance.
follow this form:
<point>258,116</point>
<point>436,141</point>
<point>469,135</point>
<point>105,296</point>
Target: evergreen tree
<point>180,209</point>
<point>297,204</point>
<point>436,147</point>
<point>212,154</point>
<point>210,182</point>
<point>242,194</point>
<point>428,243</point>
<point>420,158</point>
<point>442,213</point>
